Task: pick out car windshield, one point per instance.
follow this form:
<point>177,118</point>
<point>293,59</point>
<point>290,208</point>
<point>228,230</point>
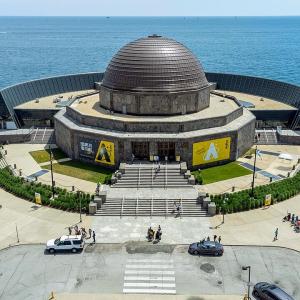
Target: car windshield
<point>57,241</point>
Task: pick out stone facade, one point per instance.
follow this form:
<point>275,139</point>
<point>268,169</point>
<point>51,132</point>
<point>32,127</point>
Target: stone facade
<point>154,103</point>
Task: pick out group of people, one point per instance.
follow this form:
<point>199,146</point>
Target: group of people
<point>215,238</point>
<point>82,231</point>
<point>154,236</point>
<point>293,219</point>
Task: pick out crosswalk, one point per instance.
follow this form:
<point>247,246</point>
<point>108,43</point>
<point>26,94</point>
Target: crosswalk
<point>149,276</point>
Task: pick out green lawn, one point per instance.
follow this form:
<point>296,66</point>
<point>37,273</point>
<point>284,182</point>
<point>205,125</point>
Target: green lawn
<point>81,170</point>
<point>42,156</point>
<point>223,172</point>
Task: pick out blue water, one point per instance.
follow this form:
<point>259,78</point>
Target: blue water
<point>35,47</point>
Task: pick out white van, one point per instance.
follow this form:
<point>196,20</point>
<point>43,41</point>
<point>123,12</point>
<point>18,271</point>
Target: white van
<point>72,243</point>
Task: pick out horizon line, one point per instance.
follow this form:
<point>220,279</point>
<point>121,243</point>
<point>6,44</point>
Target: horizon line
<point>150,16</point>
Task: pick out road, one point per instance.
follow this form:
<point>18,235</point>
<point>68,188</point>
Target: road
<point>27,272</point>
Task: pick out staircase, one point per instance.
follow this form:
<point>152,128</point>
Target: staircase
<point>42,136</point>
<point>143,175</point>
<point>266,137</point>
<point>150,207</point>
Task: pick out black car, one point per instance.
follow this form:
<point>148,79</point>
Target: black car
<point>206,248</point>
<point>267,291</point>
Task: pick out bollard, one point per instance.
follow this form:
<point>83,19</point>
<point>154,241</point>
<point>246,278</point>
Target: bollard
<point>15,166</point>
<point>20,172</point>
<point>233,188</point>
<point>288,174</point>
<point>271,179</point>
<point>73,188</point>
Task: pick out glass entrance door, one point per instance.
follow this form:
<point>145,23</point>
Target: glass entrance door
<point>140,150</point>
<point>166,149</point>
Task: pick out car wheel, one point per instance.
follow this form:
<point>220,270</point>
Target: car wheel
<point>217,253</point>
<point>51,250</point>
<point>74,250</point>
<point>196,252</point>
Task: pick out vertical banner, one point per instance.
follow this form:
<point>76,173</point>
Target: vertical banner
<point>211,151</point>
<point>37,197</point>
<point>106,153</point>
<point>268,200</point>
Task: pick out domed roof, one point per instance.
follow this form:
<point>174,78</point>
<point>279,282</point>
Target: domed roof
<point>154,64</point>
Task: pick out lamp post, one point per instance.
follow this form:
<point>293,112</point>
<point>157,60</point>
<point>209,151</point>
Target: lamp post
<point>51,168</point>
<point>224,202</point>
<point>79,196</point>
<point>254,169</point>
<point>245,268</point>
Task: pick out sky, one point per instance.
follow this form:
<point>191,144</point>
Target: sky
<point>149,7</point>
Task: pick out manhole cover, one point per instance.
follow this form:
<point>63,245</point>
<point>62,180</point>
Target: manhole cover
<point>220,282</point>
<point>208,268</point>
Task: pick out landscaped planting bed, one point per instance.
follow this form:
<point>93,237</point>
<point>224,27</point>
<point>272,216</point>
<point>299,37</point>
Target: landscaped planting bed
<point>243,200</point>
<point>21,188</point>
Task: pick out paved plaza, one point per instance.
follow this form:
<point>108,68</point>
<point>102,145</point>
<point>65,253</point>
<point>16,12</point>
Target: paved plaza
<point>135,267</point>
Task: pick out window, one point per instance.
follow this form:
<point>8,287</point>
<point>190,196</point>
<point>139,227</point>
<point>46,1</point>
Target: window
<point>67,243</point>
<point>77,242</point>
<point>86,147</point>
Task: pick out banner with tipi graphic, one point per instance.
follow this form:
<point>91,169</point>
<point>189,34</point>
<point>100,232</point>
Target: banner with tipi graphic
<point>106,153</point>
<point>210,151</point>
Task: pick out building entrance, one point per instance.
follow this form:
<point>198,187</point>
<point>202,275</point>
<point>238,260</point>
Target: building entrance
<point>166,149</point>
<point>140,150</point>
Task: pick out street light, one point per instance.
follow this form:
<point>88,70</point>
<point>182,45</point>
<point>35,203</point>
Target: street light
<point>51,168</point>
<point>245,268</point>
<point>254,169</point>
<point>79,196</point>
<point>224,203</point>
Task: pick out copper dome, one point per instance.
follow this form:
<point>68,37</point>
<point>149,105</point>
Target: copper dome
<point>154,64</point>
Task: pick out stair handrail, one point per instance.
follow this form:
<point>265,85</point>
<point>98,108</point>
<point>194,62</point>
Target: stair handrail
<point>166,207</point>
<point>166,174</point>
<point>136,206</point>
<point>139,175</point>
<point>181,208</point>
<point>151,212</point>
<point>122,206</point>
<point>152,175</point>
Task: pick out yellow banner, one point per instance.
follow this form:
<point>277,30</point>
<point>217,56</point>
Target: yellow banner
<point>38,199</point>
<point>210,151</point>
<point>268,200</point>
<point>106,153</point>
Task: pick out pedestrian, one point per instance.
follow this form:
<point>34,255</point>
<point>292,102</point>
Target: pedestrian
<point>215,238</point>
<point>276,234</point>
<point>208,239</point>
<point>178,209</point>
<point>132,158</point>
<point>90,233</point>
<point>159,166</point>
<point>293,218</point>
<point>70,231</point>
<point>94,237</point>
<point>219,239</point>
<point>174,207</point>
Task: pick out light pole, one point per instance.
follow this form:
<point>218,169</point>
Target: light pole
<point>254,169</point>
<point>245,268</point>
<point>224,203</point>
<point>79,196</point>
<point>51,168</point>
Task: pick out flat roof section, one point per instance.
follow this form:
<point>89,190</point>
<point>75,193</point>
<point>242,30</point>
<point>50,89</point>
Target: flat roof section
<point>266,104</point>
<point>89,106</point>
<point>49,103</point>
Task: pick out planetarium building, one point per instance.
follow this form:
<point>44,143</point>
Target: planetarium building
<point>154,101</point>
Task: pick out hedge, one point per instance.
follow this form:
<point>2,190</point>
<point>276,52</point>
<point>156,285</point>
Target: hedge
<point>243,200</point>
<point>64,200</point>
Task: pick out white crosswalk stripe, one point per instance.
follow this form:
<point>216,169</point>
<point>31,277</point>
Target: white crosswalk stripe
<point>149,276</point>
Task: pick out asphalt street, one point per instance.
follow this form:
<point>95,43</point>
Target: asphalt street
<point>28,272</point>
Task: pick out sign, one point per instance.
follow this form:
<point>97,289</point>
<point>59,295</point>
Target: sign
<point>178,158</point>
<point>268,200</point>
<point>106,153</point>
<point>37,197</point>
<point>211,151</point>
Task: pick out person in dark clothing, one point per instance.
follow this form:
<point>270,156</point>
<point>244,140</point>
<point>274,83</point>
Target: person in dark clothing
<point>219,239</point>
<point>94,237</point>
<point>215,238</point>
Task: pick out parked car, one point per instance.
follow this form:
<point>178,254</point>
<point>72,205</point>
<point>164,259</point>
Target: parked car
<point>72,243</point>
<point>267,291</point>
<point>206,248</point>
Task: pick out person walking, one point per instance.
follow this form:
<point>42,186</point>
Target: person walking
<point>276,234</point>
<point>208,239</point>
<point>215,238</point>
<point>94,237</point>
<point>90,233</point>
<point>219,239</point>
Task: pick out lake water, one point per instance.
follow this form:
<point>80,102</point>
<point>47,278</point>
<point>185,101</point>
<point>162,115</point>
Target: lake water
<point>35,47</point>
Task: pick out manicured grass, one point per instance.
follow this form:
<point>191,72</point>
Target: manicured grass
<point>81,170</point>
<point>42,156</point>
<point>223,172</point>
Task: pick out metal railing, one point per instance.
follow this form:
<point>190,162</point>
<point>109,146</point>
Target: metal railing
<point>139,176</point>
<point>166,208</point>
<point>166,179</point>
<point>151,211</point>
<point>122,206</point>
<point>152,175</point>
<point>137,206</point>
